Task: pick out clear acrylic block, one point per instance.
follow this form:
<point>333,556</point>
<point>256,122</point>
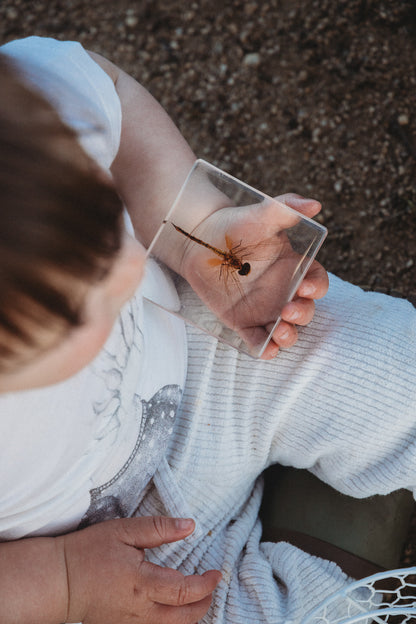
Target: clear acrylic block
<point>243,252</point>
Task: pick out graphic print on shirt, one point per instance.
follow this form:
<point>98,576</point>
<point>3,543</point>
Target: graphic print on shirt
<point>123,414</point>
<point>119,497</point>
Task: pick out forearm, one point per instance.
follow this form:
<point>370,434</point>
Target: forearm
<point>33,582</point>
<point>153,160</point>
<point>152,164</point>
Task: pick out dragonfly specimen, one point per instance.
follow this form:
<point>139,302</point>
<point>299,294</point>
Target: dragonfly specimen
<point>241,264</point>
<point>258,275</point>
<point>227,258</point>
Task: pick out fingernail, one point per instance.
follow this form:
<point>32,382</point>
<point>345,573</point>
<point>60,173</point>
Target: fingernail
<point>306,290</point>
<point>184,524</point>
<point>282,333</point>
<point>291,313</point>
<point>304,200</point>
<point>273,351</point>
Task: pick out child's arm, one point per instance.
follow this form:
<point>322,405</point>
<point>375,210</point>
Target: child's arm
<point>33,585</point>
<point>100,576</point>
<point>151,165</point>
<point>153,158</point>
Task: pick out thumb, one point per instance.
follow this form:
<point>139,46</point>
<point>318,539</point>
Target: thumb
<point>306,206</point>
<point>151,531</point>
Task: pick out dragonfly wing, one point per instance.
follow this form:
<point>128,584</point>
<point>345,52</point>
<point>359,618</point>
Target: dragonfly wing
<point>229,242</point>
<point>269,249</point>
<point>214,262</point>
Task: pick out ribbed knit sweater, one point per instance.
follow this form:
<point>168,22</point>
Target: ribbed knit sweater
<point>341,403</point>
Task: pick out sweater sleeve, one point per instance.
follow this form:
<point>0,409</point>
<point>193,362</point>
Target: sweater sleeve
<point>81,92</point>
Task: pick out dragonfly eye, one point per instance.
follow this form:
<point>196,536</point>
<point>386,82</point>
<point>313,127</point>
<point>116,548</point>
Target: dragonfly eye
<point>245,269</point>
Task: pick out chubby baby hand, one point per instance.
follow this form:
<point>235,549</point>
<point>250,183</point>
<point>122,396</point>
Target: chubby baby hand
<point>110,581</point>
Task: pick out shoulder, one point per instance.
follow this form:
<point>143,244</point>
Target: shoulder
<point>43,59</point>
<point>110,69</point>
<point>56,55</point>
<point>80,85</point>
<point>43,51</point>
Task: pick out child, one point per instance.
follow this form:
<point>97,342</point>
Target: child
<point>116,423</point>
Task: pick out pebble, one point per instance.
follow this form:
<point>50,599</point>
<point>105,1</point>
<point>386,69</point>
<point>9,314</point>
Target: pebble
<point>131,21</point>
<point>12,14</point>
<point>252,59</point>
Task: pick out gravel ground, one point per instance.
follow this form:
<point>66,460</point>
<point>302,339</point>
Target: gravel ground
<point>312,96</point>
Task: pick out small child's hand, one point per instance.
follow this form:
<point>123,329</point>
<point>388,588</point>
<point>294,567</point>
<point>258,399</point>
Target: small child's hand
<point>110,582</point>
<point>246,270</point>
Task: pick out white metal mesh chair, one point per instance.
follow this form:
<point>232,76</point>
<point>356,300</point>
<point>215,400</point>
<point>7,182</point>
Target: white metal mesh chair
<point>384,598</point>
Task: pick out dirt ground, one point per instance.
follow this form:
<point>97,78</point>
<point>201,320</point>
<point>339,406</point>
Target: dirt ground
<point>312,96</point>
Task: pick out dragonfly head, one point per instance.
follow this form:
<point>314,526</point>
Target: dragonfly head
<point>245,269</point>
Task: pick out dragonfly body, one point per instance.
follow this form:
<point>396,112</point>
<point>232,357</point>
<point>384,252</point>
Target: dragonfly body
<point>229,258</point>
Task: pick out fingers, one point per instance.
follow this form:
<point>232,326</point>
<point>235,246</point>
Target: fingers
<point>308,207</point>
<point>171,587</point>
<point>152,531</point>
<point>285,211</point>
<point>189,614</point>
<point>315,283</point>
<point>178,599</point>
<point>299,311</point>
<point>285,335</point>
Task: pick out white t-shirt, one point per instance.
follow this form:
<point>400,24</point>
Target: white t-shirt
<point>84,449</point>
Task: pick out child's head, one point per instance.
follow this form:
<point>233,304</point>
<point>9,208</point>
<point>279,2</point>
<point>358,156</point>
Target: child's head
<point>60,231</point>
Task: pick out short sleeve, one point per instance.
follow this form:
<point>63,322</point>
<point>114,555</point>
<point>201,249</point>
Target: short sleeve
<point>78,88</point>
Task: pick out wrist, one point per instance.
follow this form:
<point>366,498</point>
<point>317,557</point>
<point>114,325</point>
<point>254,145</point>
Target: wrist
<point>195,214</point>
<point>64,579</point>
<point>33,582</point>
<point>71,554</point>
